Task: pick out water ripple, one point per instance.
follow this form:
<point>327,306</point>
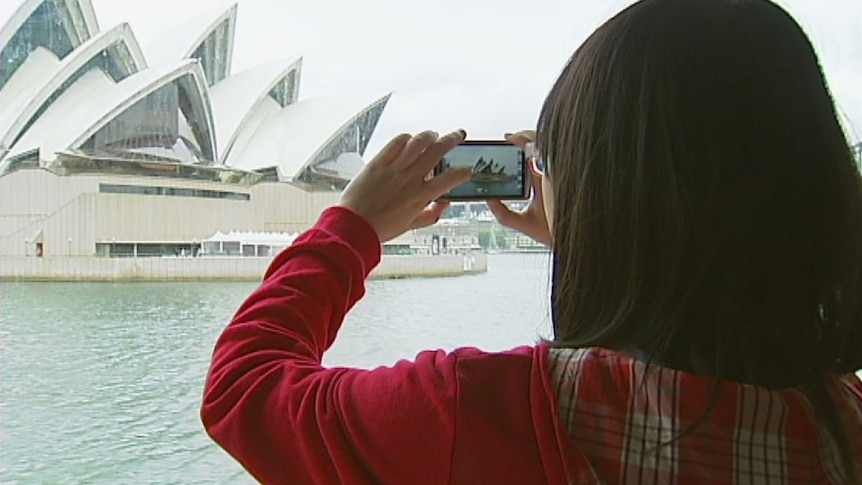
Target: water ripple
<point>101,383</point>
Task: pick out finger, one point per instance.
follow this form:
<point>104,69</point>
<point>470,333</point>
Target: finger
<point>517,140</point>
<point>443,204</point>
<point>432,156</point>
<point>446,181</point>
<point>535,181</point>
<point>392,149</point>
<point>415,147</point>
<point>519,221</point>
<point>528,134</point>
<point>430,215</point>
<point>501,212</point>
<point>520,138</point>
<point>526,222</point>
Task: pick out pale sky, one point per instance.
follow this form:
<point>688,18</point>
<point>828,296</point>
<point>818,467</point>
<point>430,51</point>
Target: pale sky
<point>482,65</point>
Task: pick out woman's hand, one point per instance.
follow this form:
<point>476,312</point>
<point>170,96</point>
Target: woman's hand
<point>394,192</point>
<point>532,221</point>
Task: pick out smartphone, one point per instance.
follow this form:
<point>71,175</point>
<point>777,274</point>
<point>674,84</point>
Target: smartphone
<point>499,171</point>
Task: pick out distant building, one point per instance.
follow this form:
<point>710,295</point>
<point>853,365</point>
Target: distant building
<point>113,149</point>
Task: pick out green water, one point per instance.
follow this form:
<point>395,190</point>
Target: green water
<point>101,382</point>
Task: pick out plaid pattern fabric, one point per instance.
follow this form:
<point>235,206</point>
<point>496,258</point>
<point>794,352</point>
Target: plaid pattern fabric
<point>630,423</point>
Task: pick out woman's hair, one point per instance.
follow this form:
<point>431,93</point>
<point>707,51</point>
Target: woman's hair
<point>708,208</point>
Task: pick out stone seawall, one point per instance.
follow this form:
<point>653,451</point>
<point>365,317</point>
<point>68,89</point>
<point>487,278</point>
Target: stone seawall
<point>213,268</point>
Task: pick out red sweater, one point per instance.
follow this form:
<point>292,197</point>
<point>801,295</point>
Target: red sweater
<point>474,417</point>
<point>286,419</point>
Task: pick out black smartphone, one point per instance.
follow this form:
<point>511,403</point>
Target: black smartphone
<point>499,171</point>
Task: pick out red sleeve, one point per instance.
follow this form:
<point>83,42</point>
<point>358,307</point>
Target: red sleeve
<point>285,418</point>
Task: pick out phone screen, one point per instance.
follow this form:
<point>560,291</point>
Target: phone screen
<point>498,171</point>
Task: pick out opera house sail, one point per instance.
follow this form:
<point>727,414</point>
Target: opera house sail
<point>112,149</point>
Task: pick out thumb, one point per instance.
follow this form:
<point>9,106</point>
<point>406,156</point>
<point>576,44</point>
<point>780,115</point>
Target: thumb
<point>448,180</point>
<point>535,180</point>
<point>501,212</point>
<point>430,215</point>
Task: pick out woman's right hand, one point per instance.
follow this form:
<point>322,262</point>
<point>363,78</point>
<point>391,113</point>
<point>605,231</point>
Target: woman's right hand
<point>394,192</point>
<point>531,221</point>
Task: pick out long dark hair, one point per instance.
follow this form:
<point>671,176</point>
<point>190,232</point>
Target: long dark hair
<point>708,208</point>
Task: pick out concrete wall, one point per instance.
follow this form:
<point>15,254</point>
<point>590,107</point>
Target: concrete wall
<point>287,208</point>
<point>69,216</point>
<point>57,268</point>
<point>164,219</point>
<point>29,197</point>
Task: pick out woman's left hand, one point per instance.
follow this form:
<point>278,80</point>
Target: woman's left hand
<point>394,192</point>
<point>532,221</point>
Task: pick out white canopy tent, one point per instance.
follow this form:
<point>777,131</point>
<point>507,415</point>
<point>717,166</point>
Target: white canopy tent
<point>237,243</point>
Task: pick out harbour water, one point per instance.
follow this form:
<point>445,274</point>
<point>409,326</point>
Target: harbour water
<point>101,382</point>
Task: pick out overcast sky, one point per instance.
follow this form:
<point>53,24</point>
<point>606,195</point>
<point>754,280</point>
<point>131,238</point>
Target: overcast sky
<point>484,65</point>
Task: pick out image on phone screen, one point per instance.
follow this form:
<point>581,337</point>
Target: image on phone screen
<point>498,171</point>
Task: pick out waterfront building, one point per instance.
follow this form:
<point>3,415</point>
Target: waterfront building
<point>113,149</point>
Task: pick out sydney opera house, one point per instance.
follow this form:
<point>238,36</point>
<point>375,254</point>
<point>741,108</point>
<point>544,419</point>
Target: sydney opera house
<point>110,148</point>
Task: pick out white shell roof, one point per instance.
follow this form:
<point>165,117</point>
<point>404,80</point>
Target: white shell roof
<point>180,41</point>
<point>38,78</point>
<point>253,129</point>
<point>23,12</point>
<point>37,71</point>
<point>91,103</point>
<point>235,98</point>
<point>291,137</point>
